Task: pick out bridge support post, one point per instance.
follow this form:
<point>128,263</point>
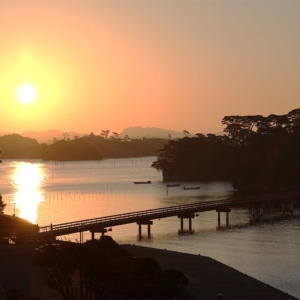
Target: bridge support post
<point>98,230</point>
<point>227,218</point>
<point>253,211</point>
<point>288,208</point>
<point>190,224</point>
<point>146,222</point>
<point>227,210</point>
<point>261,210</point>
<point>189,216</point>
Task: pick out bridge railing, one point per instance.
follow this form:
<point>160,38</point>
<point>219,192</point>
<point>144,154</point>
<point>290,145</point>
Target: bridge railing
<point>172,210</point>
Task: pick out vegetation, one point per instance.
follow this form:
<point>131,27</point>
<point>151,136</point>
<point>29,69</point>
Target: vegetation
<point>15,146</point>
<point>202,157</point>
<point>256,153</point>
<point>88,147</point>
<point>16,294</point>
<point>2,205</point>
<point>108,272</point>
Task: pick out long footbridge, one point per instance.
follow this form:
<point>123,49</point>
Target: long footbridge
<point>186,211</point>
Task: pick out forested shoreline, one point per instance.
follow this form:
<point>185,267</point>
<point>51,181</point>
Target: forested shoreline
<point>256,153</point>
<point>88,147</point>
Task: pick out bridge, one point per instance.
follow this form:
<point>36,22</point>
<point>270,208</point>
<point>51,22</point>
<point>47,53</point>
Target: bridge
<point>186,211</point>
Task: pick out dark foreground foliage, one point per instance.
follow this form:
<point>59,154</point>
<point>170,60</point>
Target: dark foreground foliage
<point>108,272</point>
<point>16,294</point>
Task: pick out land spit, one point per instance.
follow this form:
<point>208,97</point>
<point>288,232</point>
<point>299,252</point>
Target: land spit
<point>210,279</point>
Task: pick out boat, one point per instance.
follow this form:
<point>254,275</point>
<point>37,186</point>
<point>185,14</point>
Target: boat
<point>142,182</point>
<point>173,184</point>
<point>191,188</point>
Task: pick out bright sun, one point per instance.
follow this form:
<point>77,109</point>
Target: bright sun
<point>26,93</point>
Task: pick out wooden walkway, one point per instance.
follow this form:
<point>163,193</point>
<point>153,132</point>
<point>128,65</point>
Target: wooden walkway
<point>146,216</point>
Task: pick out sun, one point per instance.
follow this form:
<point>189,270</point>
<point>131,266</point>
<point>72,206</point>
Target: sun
<point>26,93</point>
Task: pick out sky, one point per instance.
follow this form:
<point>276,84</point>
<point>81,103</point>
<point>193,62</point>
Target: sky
<point>172,64</point>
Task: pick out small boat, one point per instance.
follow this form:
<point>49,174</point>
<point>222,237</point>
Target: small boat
<point>191,188</point>
<point>173,184</point>
<point>142,182</point>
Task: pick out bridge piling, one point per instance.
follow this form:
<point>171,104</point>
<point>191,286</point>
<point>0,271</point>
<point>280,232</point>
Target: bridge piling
<point>189,216</point>
<point>227,210</point>
<point>190,225</point>
<point>227,218</point>
<point>287,208</point>
<point>98,230</point>
<point>261,210</point>
<point>147,222</point>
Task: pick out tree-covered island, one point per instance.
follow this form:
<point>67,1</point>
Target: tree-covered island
<point>87,147</point>
<point>257,153</point>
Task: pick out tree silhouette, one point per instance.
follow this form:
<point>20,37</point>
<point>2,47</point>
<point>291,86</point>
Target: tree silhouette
<point>186,133</point>
<point>108,272</point>
<point>2,205</point>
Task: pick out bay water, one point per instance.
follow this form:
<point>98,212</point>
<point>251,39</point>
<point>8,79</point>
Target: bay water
<point>267,249</point>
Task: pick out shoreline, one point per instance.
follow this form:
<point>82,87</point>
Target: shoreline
<point>209,277</point>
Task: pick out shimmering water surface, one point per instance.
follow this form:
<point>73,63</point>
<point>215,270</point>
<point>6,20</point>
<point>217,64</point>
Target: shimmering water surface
<point>58,192</point>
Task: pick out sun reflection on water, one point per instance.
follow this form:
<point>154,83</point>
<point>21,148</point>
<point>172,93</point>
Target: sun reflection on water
<point>28,179</point>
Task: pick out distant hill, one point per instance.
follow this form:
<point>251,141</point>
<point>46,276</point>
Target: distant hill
<point>45,136</point>
<point>149,132</point>
<point>49,135</point>
<point>133,132</point>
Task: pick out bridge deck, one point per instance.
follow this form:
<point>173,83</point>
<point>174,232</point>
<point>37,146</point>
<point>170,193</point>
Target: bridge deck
<point>159,213</point>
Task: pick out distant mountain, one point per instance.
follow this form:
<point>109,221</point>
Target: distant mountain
<point>149,132</point>
<point>45,136</point>
<point>49,135</point>
<point>133,132</point>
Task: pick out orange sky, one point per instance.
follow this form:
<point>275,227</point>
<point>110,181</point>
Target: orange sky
<point>169,64</point>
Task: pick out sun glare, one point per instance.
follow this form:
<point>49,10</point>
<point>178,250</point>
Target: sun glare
<point>28,179</point>
<point>26,93</point>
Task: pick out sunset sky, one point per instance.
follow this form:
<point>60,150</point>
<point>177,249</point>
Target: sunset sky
<point>173,64</point>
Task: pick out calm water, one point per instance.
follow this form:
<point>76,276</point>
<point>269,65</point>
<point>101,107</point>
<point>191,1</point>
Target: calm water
<point>49,192</point>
